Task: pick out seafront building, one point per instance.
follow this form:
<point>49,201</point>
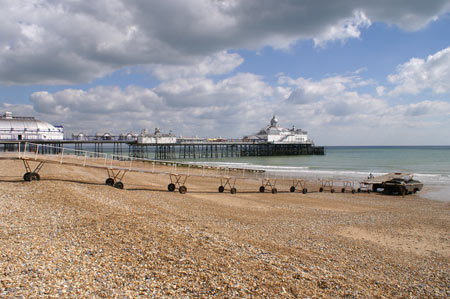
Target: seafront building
<point>156,138</point>
<point>276,134</point>
<point>28,128</point>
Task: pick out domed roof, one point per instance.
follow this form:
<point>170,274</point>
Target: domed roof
<point>9,122</point>
<point>274,121</point>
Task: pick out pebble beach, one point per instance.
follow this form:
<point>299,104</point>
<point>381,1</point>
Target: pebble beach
<point>70,235</point>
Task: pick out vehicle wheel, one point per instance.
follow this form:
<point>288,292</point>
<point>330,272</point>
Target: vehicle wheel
<point>109,182</point>
<point>321,189</point>
<point>233,190</point>
<point>332,190</point>
<point>343,190</point>
<point>27,177</point>
<point>262,189</point>
<point>292,189</point>
<point>118,185</point>
<point>305,190</point>
<point>353,191</point>
<point>182,189</point>
<point>359,190</point>
<point>221,189</point>
<point>274,190</point>
<point>171,187</point>
<point>368,191</point>
<point>35,176</point>
<point>402,191</point>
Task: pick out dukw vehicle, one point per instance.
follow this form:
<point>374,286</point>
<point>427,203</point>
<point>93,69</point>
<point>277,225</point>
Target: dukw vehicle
<point>392,183</point>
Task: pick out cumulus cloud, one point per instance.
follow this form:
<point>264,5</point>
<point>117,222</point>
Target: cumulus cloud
<point>54,42</point>
<point>217,64</point>
<point>418,74</point>
<point>187,106</point>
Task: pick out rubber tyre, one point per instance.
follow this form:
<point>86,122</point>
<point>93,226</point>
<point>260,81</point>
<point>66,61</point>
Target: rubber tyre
<point>332,190</point>
<point>233,190</point>
<point>27,177</point>
<point>359,190</point>
<point>343,190</point>
<point>403,192</point>
<point>353,191</point>
<point>321,189</point>
<point>274,191</point>
<point>35,176</point>
<point>109,182</point>
<point>118,185</point>
<point>182,189</point>
<point>304,191</point>
<point>221,189</point>
<point>262,189</point>
<point>171,187</point>
<point>292,189</point>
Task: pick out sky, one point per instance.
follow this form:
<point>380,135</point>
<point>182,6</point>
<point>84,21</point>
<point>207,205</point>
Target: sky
<point>348,72</point>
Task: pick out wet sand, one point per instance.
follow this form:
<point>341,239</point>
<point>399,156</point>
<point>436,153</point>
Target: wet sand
<point>70,235</point>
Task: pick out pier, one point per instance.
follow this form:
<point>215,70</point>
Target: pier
<point>171,151</point>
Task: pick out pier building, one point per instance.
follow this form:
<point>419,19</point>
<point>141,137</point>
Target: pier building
<point>28,128</point>
<point>156,138</point>
<point>276,134</point>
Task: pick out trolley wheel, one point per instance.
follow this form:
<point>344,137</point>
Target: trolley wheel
<point>221,189</point>
<point>118,185</point>
<point>353,191</point>
<point>261,189</point>
<point>332,190</point>
<point>233,190</point>
<point>359,190</point>
<point>343,190</point>
<point>109,182</point>
<point>305,190</point>
<point>274,190</point>
<point>320,189</point>
<point>292,189</point>
<point>171,187</point>
<point>182,189</point>
<point>35,176</point>
<point>27,177</point>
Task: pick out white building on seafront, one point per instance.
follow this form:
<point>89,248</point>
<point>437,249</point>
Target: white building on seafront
<point>156,138</point>
<point>276,134</point>
<point>28,128</point>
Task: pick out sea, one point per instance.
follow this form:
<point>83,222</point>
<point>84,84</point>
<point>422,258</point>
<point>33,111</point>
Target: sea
<point>428,164</point>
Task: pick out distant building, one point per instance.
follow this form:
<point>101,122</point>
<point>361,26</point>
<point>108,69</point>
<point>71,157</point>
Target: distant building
<point>156,138</point>
<point>80,136</point>
<point>195,139</point>
<point>28,128</point>
<point>274,133</point>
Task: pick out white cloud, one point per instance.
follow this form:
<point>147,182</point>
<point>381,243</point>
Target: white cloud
<point>217,64</point>
<point>418,74</point>
<point>203,91</point>
<point>344,29</point>
<point>54,42</point>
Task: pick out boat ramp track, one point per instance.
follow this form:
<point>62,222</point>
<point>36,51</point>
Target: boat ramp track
<point>35,156</point>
